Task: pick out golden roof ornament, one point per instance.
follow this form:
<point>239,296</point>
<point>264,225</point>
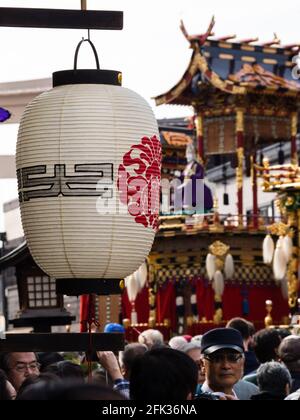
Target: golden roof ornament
<point>219,249</point>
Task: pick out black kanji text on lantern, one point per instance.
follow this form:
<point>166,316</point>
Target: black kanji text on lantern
<point>85,183</point>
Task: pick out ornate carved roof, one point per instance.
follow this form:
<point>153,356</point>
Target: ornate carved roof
<point>234,68</point>
<point>254,75</point>
<point>176,139</point>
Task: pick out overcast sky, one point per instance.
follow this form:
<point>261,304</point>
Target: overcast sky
<point>151,50</point>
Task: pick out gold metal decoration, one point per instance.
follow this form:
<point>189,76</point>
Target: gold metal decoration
<point>199,125</point>
<point>126,323</point>
<point>285,180</point>
<point>218,316</point>
<point>216,80</point>
<point>240,168</point>
<point>219,249</point>
<point>152,304</point>
<point>268,318</point>
<point>200,130</point>
<point>221,252</point>
<point>83,4</point>
<point>293,284</point>
<point>152,320</point>
<point>279,178</point>
<point>167,323</point>
<point>294,124</point>
<point>279,229</point>
<point>216,226</point>
<point>190,321</point>
<point>240,120</point>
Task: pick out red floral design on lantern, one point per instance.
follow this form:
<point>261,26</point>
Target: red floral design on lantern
<point>139,181</point>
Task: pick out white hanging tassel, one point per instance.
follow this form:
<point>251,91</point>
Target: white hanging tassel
<point>179,301</point>
<point>279,263</point>
<point>211,266</point>
<point>219,283</point>
<point>181,326</point>
<point>193,299</point>
<point>126,281</point>
<point>268,249</point>
<point>280,244</point>
<point>229,267</point>
<point>134,317</point>
<point>194,308</point>
<point>180,313</point>
<point>133,287</point>
<point>287,245</point>
<point>142,275</point>
<point>285,289</point>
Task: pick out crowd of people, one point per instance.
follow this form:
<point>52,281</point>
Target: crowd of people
<point>232,363</point>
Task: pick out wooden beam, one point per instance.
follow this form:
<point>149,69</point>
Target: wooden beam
<point>61,342</point>
<point>64,19</point>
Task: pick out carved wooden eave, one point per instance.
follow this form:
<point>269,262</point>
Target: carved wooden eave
<point>198,63</point>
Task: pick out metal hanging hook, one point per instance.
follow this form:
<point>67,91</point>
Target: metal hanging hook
<point>94,51</point>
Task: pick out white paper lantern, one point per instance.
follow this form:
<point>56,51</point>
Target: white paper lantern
<point>268,249</point>
<point>229,267</point>
<point>71,138</point>
<point>219,283</point>
<point>210,266</point>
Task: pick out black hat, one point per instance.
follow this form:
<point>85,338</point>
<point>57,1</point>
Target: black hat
<point>222,338</point>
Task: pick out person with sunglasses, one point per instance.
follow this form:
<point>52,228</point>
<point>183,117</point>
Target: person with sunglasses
<point>18,366</point>
<point>223,362</point>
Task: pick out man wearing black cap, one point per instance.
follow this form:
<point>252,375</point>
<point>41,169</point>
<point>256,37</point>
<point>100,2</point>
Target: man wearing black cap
<point>223,359</point>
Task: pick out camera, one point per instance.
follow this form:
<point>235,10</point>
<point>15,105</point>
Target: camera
<point>209,396</point>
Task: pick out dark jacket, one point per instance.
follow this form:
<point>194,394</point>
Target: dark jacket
<point>267,396</point>
<point>251,362</point>
<point>296,381</point>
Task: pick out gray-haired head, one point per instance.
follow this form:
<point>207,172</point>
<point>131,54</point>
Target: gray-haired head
<point>273,377</point>
<point>289,352</point>
<point>197,339</point>
<point>151,338</point>
<point>177,343</point>
<point>128,356</point>
<point>193,345</point>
